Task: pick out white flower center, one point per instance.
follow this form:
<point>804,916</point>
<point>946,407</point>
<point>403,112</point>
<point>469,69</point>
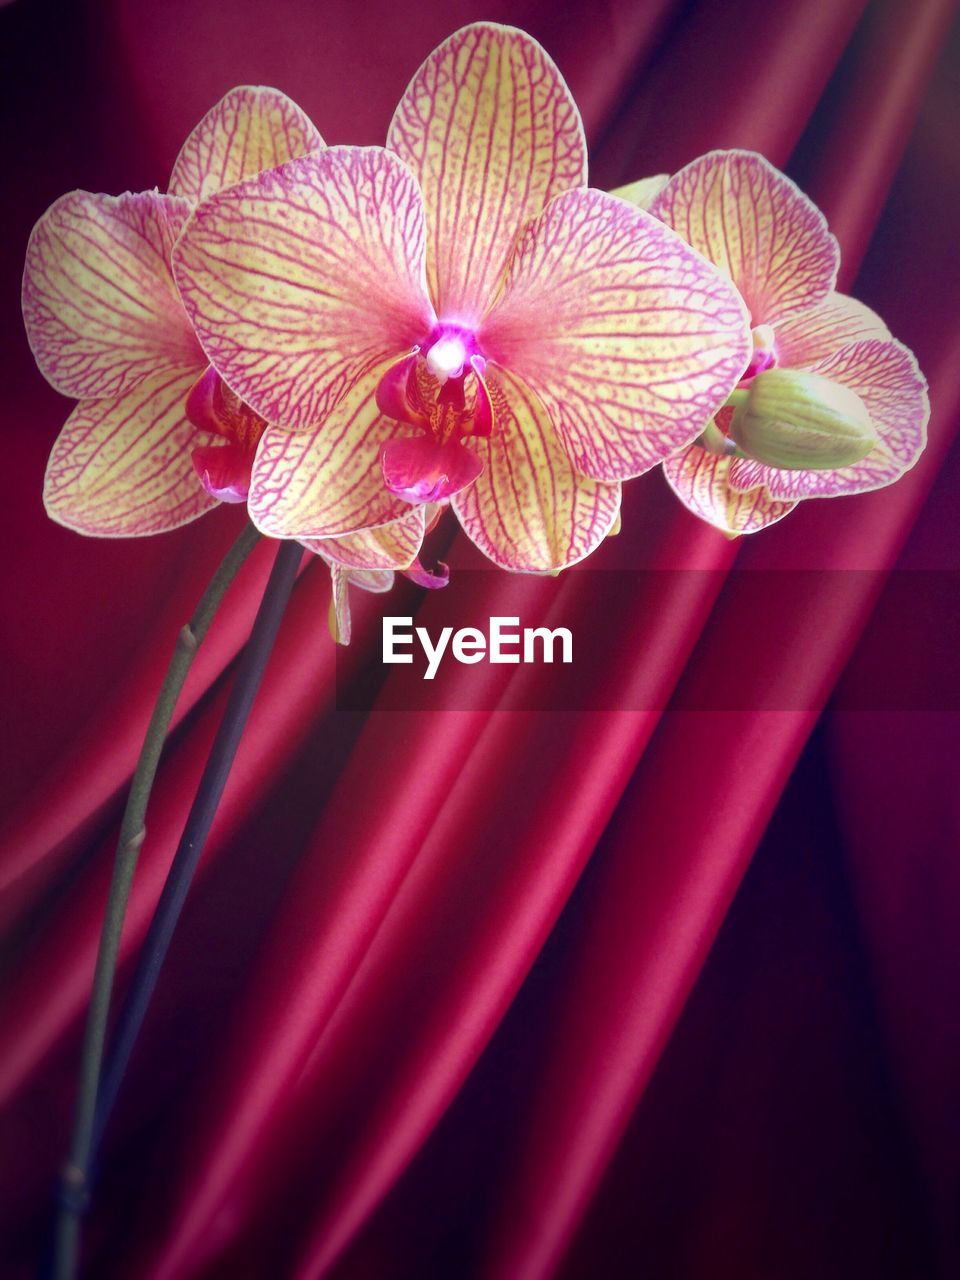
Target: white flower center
<point>446,357</point>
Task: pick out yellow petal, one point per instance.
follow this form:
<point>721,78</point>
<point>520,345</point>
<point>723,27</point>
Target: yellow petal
<point>251,128</point>
<point>642,192</point>
<point>121,467</point>
<point>99,303</point>
<point>490,130</point>
<point>757,226</point>
<point>326,481</point>
<point>701,482</point>
<point>529,511</point>
<point>388,546</point>
<point>301,280</point>
<point>630,338</point>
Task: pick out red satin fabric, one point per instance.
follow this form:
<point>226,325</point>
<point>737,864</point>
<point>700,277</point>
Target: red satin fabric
<point>478,992</point>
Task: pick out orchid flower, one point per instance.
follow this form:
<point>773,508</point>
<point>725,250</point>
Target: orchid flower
<point>458,319</point>
<point>772,241</point>
<point>157,439</point>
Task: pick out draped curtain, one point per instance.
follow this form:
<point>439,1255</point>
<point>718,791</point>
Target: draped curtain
<point>658,980</point>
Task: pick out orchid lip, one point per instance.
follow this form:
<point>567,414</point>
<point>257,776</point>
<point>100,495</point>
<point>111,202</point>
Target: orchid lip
<point>423,469</point>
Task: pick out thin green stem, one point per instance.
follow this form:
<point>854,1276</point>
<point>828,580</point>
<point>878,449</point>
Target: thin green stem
<point>75,1174</point>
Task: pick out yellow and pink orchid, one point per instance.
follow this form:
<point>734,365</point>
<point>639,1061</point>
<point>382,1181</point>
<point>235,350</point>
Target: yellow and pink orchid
<point>158,438</point>
<point>458,318</point>
<point>774,244</point>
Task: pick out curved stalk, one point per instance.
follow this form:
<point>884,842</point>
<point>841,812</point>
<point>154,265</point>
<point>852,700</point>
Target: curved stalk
<point>74,1176</point>
<point>199,822</point>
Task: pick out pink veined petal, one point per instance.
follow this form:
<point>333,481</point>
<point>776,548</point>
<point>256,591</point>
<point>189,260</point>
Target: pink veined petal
<point>389,546</point>
<point>643,192</point>
<point>251,128</point>
<point>223,470</point>
<point>376,581</point>
<point>629,337</point>
<point>492,133</point>
<point>885,375</point>
<point>701,482</point>
<point>804,338</point>
<point>99,302</point>
<point>529,511</point>
<point>421,469</point>
<point>327,481</point>
<point>121,466</point>
<point>758,226</point>
<point>303,279</point>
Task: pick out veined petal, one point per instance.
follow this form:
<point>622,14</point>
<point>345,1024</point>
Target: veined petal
<point>804,338</point>
<point>701,481</point>
<point>376,581</point>
<point>758,226</point>
<point>303,279</point>
<point>644,191</point>
<point>885,376</point>
<point>327,481</point>
<point>99,302</point>
<point>629,337</point>
<point>389,546</point>
<point>121,467</point>
<point>251,128</point>
<point>490,130</point>
<point>529,511</point>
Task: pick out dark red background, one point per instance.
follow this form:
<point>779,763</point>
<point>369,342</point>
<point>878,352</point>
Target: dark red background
<point>496,991</point>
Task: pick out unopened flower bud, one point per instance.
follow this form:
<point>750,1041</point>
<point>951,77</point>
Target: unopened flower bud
<point>801,422</point>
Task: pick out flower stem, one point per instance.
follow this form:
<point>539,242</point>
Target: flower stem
<point>74,1177</point>
<point>199,822</point>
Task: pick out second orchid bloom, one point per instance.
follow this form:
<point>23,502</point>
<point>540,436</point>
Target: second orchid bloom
<point>457,318</point>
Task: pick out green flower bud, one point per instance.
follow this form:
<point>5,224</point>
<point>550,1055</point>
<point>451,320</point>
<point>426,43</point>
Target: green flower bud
<point>801,422</point>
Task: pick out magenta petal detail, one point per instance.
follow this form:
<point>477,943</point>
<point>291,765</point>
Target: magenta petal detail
<point>806,338</point>
<point>224,471</point>
<point>432,579</point>
<point>420,469</point>
<point>393,392</point>
<point>201,402</point>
